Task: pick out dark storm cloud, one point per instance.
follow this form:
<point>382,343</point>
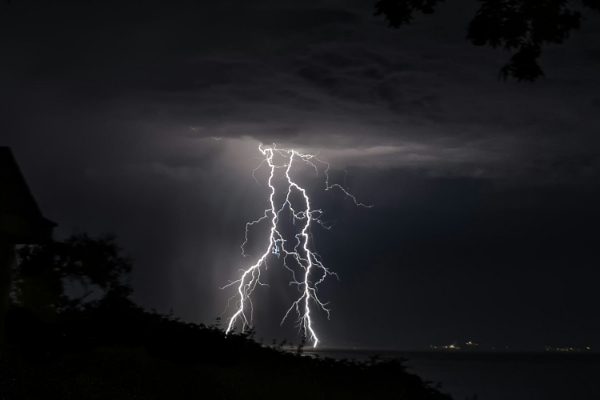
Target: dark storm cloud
<point>299,19</point>
<point>184,78</point>
<point>484,191</point>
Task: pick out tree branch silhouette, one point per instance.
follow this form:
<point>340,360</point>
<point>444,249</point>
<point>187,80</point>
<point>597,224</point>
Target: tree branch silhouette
<point>520,26</point>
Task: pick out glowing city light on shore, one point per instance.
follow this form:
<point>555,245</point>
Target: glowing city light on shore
<point>301,254</point>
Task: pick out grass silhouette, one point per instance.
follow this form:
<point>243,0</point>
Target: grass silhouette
<point>130,353</point>
<point>57,347</point>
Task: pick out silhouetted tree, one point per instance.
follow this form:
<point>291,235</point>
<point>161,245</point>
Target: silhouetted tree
<point>90,263</point>
<point>522,26</point>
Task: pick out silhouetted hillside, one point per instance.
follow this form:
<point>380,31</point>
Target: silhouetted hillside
<point>134,354</point>
<point>63,347</point>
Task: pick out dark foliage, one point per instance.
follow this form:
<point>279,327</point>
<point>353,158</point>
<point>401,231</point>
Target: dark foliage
<point>400,12</point>
<point>46,322</point>
<point>110,351</point>
<point>95,264</point>
<point>112,348</point>
<point>161,336</point>
<point>522,26</point>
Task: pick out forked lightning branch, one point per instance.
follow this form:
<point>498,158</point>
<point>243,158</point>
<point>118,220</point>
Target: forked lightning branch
<point>298,254</point>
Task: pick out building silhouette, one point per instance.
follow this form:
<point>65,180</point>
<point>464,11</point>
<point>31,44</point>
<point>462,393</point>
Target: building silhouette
<point>21,222</point>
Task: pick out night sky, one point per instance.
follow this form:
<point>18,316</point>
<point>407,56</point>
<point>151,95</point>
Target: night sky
<point>485,193</point>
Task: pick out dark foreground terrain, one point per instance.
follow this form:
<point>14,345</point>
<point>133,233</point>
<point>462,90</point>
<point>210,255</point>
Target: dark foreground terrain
<point>141,355</point>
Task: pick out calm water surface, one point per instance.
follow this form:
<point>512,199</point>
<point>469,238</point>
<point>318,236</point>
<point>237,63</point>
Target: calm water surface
<point>499,376</point>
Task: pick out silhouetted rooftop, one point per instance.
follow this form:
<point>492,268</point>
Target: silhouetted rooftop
<point>21,220</point>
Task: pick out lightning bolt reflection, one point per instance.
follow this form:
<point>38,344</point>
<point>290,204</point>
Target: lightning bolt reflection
<point>301,254</point>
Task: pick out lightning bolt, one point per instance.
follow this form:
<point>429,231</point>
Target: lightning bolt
<point>301,254</point>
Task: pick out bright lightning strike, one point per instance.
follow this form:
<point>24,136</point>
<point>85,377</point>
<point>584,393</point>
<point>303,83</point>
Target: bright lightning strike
<point>301,254</point>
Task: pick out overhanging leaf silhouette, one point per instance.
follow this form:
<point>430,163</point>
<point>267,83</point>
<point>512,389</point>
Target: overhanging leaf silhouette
<point>521,26</point>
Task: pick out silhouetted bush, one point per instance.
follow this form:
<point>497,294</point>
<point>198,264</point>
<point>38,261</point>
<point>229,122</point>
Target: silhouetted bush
<point>111,348</point>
